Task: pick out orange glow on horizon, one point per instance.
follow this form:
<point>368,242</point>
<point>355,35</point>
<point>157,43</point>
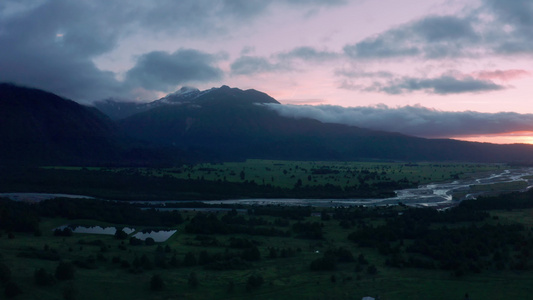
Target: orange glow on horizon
<point>516,137</point>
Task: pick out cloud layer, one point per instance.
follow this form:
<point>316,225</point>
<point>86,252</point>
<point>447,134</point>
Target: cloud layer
<point>53,44</point>
<point>63,46</point>
<point>161,71</point>
<point>412,120</point>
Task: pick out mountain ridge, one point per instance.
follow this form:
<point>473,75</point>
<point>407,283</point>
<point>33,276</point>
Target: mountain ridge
<point>117,110</point>
<point>218,124</point>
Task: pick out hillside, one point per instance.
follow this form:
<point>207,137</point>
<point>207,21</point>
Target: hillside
<point>219,124</point>
<point>231,124</point>
<point>40,127</point>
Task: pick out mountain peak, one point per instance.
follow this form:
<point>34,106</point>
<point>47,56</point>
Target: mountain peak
<point>186,90</point>
<point>185,94</point>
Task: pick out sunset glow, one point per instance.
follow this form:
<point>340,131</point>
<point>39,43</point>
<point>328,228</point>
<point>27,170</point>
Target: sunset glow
<point>469,60</point>
<point>521,137</point>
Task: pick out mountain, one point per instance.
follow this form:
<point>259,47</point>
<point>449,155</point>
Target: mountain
<point>40,128</point>
<point>231,124</point>
<point>117,110</point>
<point>37,126</point>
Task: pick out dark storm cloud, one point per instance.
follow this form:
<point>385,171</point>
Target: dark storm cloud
<point>507,31</point>
<point>430,37</point>
<point>52,44</point>
<point>446,84</point>
<point>246,65</point>
<point>517,18</point>
<point>161,71</point>
<point>309,54</point>
<point>441,85</point>
<point>363,74</point>
<point>412,120</point>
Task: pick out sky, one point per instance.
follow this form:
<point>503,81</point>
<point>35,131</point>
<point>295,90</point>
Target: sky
<point>434,68</point>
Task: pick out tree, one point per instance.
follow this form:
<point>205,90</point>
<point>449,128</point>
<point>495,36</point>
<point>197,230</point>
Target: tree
<point>231,287</point>
<point>372,270</point>
<point>157,283</point>
<point>189,260</point>
<point>120,234</point>
<point>65,271</point>
<point>70,292</point>
<point>254,281</point>
<point>325,263</point>
<point>12,290</point>
<point>193,280</point>
<point>251,254</point>
<point>5,273</point>
<point>43,278</point>
<point>135,241</point>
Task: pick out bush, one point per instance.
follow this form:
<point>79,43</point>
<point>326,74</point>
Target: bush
<point>135,241</point>
<point>65,271</point>
<point>326,263</point>
<point>63,232</point>
<point>254,281</point>
<point>70,292</point>
<point>157,283</point>
<point>12,290</point>
<point>5,273</point>
<point>193,280</point>
<point>43,278</point>
<point>120,234</point>
<point>251,254</point>
<point>189,260</point>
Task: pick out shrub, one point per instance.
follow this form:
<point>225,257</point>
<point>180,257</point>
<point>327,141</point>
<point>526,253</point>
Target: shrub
<point>65,271</point>
<point>5,273</point>
<point>43,278</point>
<point>193,280</point>
<point>120,234</point>
<point>12,290</point>
<point>149,241</point>
<point>254,281</point>
<point>157,283</point>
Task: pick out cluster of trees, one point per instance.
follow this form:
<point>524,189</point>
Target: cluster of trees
<point>136,185</point>
<point>107,211</point>
<point>509,201</point>
<point>450,240</point>
<point>18,216</point>
<point>41,277</point>
<point>231,224</point>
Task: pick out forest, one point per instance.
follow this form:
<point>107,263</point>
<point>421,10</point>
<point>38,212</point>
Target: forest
<point>237,252</point>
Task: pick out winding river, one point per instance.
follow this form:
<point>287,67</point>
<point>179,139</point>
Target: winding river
<point>434,194</point>
<point>439,195</point>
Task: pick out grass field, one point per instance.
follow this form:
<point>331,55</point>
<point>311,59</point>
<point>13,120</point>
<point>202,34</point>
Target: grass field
<point>286,174</point>
<point>284,278</point>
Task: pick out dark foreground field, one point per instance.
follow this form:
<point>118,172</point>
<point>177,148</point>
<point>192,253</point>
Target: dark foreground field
<point>481,248</point>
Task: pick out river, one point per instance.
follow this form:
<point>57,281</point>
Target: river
<point>434,194</point>
<point>429,195</point>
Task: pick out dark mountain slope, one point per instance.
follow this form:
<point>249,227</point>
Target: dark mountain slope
<point>40,127</point>
<point>232,124</point>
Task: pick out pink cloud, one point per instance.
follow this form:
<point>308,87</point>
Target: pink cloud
<point>503,75</point>
<point>303,101</point>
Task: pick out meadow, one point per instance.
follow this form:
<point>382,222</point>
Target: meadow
<point>254,179</point>
<point>268,253</point>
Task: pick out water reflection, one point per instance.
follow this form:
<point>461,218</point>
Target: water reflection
<point>435,194</point>
<point>158,236</point>
<point>95,229</point>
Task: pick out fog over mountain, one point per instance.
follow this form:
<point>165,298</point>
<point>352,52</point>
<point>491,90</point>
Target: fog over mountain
<point>217,124</point>
<point>413,120</point>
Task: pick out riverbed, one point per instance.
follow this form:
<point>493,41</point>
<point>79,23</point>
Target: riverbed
<point>428,195</point>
